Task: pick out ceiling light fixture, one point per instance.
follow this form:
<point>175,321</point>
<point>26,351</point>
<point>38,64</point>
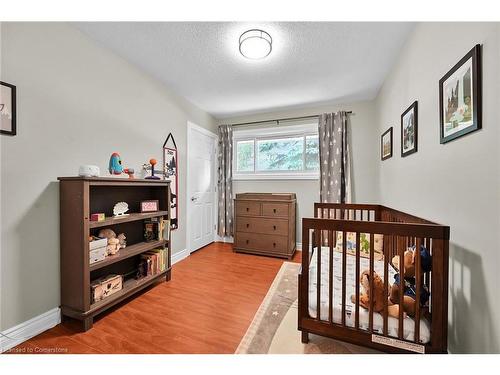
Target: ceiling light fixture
<point>255,44</point>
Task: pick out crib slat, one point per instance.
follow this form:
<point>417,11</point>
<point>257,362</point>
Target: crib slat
<point>362,215</point>
<point>330,275</point>
<point>344,261</point>
<point>418,291</point>
<point>318,277</point>
<point>401,287</point>
<point>358,246</point>
<point>386,287</point>
<point>371,281</point>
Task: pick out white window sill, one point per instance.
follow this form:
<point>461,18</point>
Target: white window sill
<point>276,176</point>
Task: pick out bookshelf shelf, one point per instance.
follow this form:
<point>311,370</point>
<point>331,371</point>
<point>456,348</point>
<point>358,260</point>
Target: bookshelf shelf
<point>129,287</point>
<point>79,197</point>
<point>126,219</point>
<point>127,252</point>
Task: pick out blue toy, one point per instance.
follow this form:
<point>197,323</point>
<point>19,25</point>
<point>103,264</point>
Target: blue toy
<point>115,164</point>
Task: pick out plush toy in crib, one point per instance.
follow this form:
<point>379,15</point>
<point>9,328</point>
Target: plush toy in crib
<point>377,293</point>
<point>409,279</point>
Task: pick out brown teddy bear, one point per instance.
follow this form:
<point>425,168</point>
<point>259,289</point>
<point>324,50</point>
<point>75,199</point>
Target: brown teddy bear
<point>409,288</point>
<point>377,293</point>
<point>114,243</point>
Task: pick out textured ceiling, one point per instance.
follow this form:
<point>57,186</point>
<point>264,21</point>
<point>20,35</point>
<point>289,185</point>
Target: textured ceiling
<point>311,62</point>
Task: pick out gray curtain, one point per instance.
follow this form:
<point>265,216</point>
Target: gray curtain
<point>334,158</point>
<point>225,181</point>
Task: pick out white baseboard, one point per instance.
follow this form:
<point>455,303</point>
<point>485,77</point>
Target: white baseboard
<point>26,330</point>
<point>299,246</point>
<point>180,255</point>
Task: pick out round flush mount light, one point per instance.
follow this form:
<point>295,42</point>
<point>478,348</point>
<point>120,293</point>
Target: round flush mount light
<point>255,44</point>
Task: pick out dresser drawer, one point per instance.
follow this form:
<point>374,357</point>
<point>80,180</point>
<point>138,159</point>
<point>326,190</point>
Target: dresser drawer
<point>275,209</point>
<point>261,225</point>
<point>247,208</point>
<point>261,242</point>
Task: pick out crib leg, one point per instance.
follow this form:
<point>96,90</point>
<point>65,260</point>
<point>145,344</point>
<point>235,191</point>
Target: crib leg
<point>305,337</point>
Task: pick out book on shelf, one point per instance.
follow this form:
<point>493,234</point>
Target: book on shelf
<point>156,229</point>
<point>152,262</point>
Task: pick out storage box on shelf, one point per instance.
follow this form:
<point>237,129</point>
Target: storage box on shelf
<point>84,264</point>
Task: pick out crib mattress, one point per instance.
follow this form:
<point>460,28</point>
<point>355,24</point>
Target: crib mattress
<point>378,322</point>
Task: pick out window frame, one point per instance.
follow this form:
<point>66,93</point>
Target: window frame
<point>270,134</point>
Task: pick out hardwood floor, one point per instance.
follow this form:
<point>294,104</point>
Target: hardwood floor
<point>205,308</point>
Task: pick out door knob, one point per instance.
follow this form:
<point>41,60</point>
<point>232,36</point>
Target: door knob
<point>194,199</point>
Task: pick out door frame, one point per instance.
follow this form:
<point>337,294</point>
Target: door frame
<point>193,126</point>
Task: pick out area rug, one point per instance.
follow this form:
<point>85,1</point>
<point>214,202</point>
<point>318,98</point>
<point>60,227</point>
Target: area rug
<point>274,327</point>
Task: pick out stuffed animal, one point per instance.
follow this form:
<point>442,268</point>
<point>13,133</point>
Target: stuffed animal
<point>377,293</point>
<point>106,233</point>
<point>114,243</point>
<point>113,246</point>
<point>115,164</point>
<point>409,289</point>
<point>123,240</point>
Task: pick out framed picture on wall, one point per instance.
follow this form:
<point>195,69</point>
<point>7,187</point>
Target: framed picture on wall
<point>386,144</point>
<point>7,108</point>
<point>409,130</point>
<point>460,98</point>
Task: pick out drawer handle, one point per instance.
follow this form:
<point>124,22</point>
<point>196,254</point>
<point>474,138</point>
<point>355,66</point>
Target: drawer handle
<point>248,225</point>
<point>274,227</point>
<point>248,208</point>
<point>274,244</point>
<point>248,241</point>
<point>274,210</point>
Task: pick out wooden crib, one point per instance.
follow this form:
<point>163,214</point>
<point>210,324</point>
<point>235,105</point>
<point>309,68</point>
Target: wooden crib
<point>399,231</point>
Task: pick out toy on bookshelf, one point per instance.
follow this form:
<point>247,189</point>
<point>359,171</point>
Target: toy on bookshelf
<point>120,208</point>
<point>115,243</point>
<point>98,217</point>
<point>153,162</point>
<point>115,166</point>
<point>89,171</point>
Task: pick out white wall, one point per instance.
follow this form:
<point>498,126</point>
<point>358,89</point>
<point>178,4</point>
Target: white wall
<point>77,103</point>
<point>364,152</point>
<point>457,183</point>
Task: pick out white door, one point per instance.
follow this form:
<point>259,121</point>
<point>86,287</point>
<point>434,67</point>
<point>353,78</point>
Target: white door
<point>200,187</point>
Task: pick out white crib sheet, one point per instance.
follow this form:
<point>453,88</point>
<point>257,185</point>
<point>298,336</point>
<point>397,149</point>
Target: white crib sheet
<point>378,323</point>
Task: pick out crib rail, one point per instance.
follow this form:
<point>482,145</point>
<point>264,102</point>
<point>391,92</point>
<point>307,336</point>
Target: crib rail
<point>399,231</point>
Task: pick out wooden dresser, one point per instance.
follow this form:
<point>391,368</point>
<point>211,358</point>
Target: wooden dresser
<point>265,224</point>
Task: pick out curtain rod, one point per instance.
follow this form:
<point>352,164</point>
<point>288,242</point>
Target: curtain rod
<point>282,119</point>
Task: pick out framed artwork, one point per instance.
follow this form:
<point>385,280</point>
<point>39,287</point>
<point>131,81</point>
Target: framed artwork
<point>7,108</point>
<point>386,144</point>
<point>460,98</point>
<point>150,206</point>
<point>409,130</point>
<point>170,173</point>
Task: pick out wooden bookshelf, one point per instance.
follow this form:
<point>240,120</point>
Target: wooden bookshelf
<point>79,198</point>
<point>127,252</point>
<point>125,219</point>
<point>129,287</point>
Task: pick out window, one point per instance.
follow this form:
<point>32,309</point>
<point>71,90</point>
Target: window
<point>273,153</point>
